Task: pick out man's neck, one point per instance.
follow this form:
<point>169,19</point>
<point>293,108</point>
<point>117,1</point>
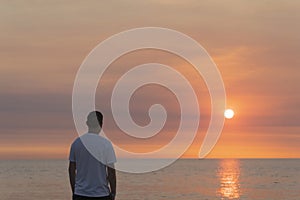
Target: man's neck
<point>95,131</point>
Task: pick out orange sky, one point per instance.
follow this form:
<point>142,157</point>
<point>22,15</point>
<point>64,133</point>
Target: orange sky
<point>255,44</point>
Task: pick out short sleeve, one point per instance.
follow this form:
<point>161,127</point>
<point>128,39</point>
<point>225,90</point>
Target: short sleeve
<point>110,155</point>
<point>72,154</point>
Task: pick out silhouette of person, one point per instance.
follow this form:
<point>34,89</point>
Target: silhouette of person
<point>91,167</point>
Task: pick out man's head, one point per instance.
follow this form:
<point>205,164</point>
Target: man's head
<point>94,120</point>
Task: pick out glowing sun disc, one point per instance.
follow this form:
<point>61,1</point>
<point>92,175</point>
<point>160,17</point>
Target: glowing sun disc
<point>229,113</point>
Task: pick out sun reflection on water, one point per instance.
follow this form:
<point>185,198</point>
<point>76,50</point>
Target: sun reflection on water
<point>228,173</point>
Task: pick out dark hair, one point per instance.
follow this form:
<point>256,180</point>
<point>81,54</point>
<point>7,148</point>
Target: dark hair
<point>95,119</point>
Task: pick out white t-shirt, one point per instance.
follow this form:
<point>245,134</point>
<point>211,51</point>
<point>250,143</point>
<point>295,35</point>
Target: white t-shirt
<point>92,153</point>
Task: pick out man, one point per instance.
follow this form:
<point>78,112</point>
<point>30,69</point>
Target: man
<point>91,168</point>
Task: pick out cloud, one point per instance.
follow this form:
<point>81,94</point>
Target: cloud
<point>255,45</point>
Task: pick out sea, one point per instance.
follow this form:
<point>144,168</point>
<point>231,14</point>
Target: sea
<point>186,179</point>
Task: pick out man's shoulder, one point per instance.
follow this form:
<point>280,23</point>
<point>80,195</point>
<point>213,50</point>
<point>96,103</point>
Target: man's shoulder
<point>106,142</point>
<point>105,139</point>
<point>76,141</point>
<point>94,139</point>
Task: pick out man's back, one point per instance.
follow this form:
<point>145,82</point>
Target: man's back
<point>91,176</point>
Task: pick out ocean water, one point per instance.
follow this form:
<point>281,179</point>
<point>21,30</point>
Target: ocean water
<point>190,179</point>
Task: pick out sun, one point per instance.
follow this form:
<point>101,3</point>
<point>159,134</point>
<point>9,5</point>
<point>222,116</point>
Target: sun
<point>229,113</point>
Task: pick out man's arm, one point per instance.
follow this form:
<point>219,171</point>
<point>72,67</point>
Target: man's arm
<point>72,175</point>
<point>111,175</point>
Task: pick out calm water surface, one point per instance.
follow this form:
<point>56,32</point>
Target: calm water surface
<point>185,179</point>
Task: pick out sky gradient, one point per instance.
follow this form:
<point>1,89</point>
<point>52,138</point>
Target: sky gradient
<point>255,45</point>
